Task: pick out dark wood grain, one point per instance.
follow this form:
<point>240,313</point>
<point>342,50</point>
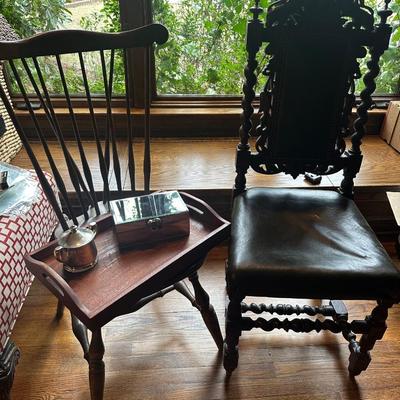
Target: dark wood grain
<point>168,120</point>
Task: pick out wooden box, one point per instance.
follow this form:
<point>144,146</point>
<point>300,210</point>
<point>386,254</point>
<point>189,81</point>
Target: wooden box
<point>395,141</point>
<point>390,130</point>
<point>147,219</point>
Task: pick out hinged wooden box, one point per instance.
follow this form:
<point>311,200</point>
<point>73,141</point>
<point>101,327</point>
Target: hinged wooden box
<point>390,130</point>
<point>147,219</point>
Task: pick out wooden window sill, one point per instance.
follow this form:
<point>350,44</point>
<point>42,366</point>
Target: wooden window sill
<point>185,165</point>
<point>198,121</point>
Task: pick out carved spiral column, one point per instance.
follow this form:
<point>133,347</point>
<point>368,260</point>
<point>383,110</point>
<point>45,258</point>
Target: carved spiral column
<point>233,330</point>
<point>381,37</point>
<point>360,357</point>
<point>243,149</point>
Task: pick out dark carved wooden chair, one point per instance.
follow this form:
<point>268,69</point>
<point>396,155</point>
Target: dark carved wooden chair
<point>124,280</point>
<point>300,243</point>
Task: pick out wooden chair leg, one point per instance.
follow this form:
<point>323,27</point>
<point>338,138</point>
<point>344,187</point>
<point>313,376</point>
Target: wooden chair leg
<point>207,310</point>
<point>60,310</point>
<point>232,331</point>
<point>80,332</point>
<point>96,366</point>
<point>184,290</point>
<point>360,358</point>
<point>8,361</point>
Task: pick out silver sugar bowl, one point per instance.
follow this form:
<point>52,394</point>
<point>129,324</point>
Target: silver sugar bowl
<point>76,248</point>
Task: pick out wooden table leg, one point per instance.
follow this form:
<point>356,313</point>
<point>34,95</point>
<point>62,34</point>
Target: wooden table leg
<point>96,366</point>
<point>8,361</point>
<point>80,332</point>
<point>207,310</point>
<point>60,310</point>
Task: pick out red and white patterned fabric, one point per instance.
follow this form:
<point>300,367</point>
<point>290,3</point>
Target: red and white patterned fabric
<point>19,236</point>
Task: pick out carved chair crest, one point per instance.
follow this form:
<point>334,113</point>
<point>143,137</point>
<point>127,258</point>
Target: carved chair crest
<point>313,49</point>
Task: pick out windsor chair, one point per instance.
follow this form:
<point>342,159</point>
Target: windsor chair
<point>124,280</point>
<point>299,243</point>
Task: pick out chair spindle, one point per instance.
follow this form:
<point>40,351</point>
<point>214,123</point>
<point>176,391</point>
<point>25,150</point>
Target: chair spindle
<point>73,170</point>
<point>147,96</point>
<point>57,177</point>
<point>102,164</point>
<point>41,176</point>
<point>108,88</point>
<point>128,97</point>
<point>85,164</point>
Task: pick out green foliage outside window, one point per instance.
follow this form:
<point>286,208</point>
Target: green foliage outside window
<point>205,54</point>
<point>388,80</point>
<point>28,17</point>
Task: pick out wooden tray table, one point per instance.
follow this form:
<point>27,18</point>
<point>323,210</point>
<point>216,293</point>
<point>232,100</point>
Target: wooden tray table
<point>124,280</point>
<point>124,276</point>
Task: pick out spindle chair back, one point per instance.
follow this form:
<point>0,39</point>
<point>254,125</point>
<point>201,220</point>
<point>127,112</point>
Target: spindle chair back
<point>27,61</point>
<point>123,280</point>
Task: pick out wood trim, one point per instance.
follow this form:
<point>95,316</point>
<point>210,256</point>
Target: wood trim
<point>166,121</point>
<point>134,16</point>
<point>78,102</point>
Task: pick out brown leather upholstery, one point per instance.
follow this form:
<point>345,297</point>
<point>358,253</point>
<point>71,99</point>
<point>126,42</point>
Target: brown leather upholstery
<point>306,244</point>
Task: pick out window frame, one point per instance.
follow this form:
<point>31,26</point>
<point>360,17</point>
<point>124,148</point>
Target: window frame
<point>136,13</point>
<point>131,19</point>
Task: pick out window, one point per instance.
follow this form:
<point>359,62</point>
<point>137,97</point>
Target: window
<point>207,37</point>
<point>205,54</point>
<point>202,63</point>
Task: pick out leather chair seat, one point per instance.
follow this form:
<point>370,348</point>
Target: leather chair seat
<point>306,244</point>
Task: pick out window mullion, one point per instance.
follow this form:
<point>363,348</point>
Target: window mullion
<point>134,14</point>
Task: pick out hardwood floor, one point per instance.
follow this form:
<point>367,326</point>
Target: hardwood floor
<point>164,352</point>
<point>187,164</point>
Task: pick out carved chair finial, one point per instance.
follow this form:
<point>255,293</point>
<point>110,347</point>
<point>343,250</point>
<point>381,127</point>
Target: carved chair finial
<point>385,13</point>
<point>256,10</point>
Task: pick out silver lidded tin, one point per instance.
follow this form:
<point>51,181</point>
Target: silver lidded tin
<point>76,248</point>
<point>147,219</point>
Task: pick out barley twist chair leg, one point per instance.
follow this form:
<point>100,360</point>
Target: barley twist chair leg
<point>233,331</point>
<point>360,359</point>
